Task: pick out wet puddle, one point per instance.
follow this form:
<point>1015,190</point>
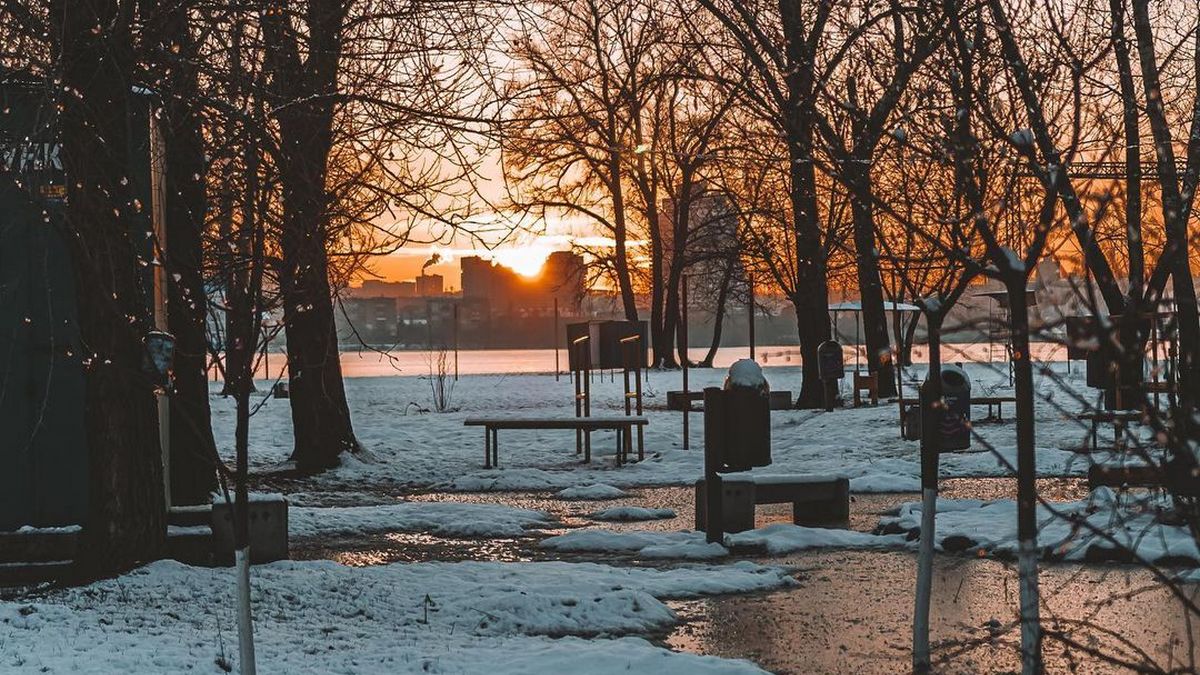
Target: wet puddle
<point>851,611</point>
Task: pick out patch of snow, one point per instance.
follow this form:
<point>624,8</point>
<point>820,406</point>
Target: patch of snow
<point>63,529</point>
<point>682,545</point>
<point>189,531</point>
<point>781,538</point>
<point>321,617</point>
<point>992,526</point>
<point>776,539</point>
<point>441,518</point>
<point>747,373</point>
<point>253,497</point>
<point>632,514</point>
<point>593,492</point>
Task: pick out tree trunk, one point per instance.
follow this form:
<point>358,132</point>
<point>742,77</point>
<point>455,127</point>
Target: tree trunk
<point>193,451</point>
<point>620,247</point>
<point>932,412</point>
<point>870,287</point>
<point>1027,534</point>
<point>320,413</point>
<point>719,314</point>
<point>660,339</point>
<point>810,294</point>
<point>126,518</point>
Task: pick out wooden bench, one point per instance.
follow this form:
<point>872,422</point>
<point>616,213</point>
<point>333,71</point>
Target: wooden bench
<point>994,401</point>
<point>1143,476</point>
<point>622,425</point>
<point>822,501</point>
<point>1120,419</point>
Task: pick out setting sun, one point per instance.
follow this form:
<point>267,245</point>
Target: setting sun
<point>526,261</point>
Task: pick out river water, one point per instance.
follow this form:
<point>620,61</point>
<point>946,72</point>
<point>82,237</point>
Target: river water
<point>383,363</point>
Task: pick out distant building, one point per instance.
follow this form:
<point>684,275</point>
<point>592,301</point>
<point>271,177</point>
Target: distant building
<point>376,288</point>
<point>507,293</point>
<point>429,285</point>
<point>369,320</point>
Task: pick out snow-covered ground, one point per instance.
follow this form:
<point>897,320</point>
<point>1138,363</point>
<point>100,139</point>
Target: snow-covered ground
<point>409,449</point>
<point>1104,526</point>
<point>439,518</point>
<point>776,539</point>
<point>321,617</point>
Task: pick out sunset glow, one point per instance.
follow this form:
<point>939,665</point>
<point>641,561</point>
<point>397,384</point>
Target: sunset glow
<point>527,262</point>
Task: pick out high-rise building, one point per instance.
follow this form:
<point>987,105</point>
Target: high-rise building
<point>562,278</point>
<point>429,285</point>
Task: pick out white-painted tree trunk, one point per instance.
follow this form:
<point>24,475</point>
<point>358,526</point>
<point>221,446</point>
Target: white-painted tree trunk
<point>921,658</point>
<point>1031,627</point>
<point>245,621</point>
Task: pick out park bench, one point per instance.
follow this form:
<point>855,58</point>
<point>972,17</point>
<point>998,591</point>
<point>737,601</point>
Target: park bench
<point>1145,476</point>
<point>1120,419</point>
<point>816,500</point>
<point>996,402</point>
<point>491,425</point>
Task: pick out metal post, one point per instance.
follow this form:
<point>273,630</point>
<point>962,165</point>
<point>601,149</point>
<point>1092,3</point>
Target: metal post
<point>158,189</point>
<point>456,342</point>
<point>687,401</point>
<point>554,338</point>
<point>751,326</point>
<point>714,432</point>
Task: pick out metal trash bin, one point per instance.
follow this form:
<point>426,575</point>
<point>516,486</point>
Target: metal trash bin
<point>956,393</point>
<point>737,419</point>
<point>829,361</point>
<point>912,422</point>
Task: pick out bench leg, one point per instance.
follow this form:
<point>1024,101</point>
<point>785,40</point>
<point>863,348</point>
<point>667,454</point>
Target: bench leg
<point>587,447</point>
<point>487,448</point>
<point>641,445</point>
<point>496,448</point>
<point>620,446</point>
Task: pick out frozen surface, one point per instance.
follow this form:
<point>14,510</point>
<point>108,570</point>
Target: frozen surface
<point>782,538</point>
<point>596,492</point>
<point>776,539</point>
<point>1098,527</point>
<point>441,518</point>
<point>411,450</point>
<point>632,513</point>
<point>684,545</point>
<point>321,617</point>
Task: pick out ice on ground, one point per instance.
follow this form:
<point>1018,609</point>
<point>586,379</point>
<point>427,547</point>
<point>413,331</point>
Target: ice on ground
<point>781,538</point>
<point>1105,526</point>
<point>594,492</point>
<point>682,545</point>
<point>321,617</point>
<point>632,514</point>
<point>448,519</point>
<point>776,539</point>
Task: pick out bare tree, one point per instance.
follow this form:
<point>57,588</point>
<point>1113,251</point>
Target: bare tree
<point>92,47</point>
<point>781,43</point>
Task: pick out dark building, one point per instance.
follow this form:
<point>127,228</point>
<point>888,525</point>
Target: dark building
<point>510,294</point>
<point>369,320</point>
